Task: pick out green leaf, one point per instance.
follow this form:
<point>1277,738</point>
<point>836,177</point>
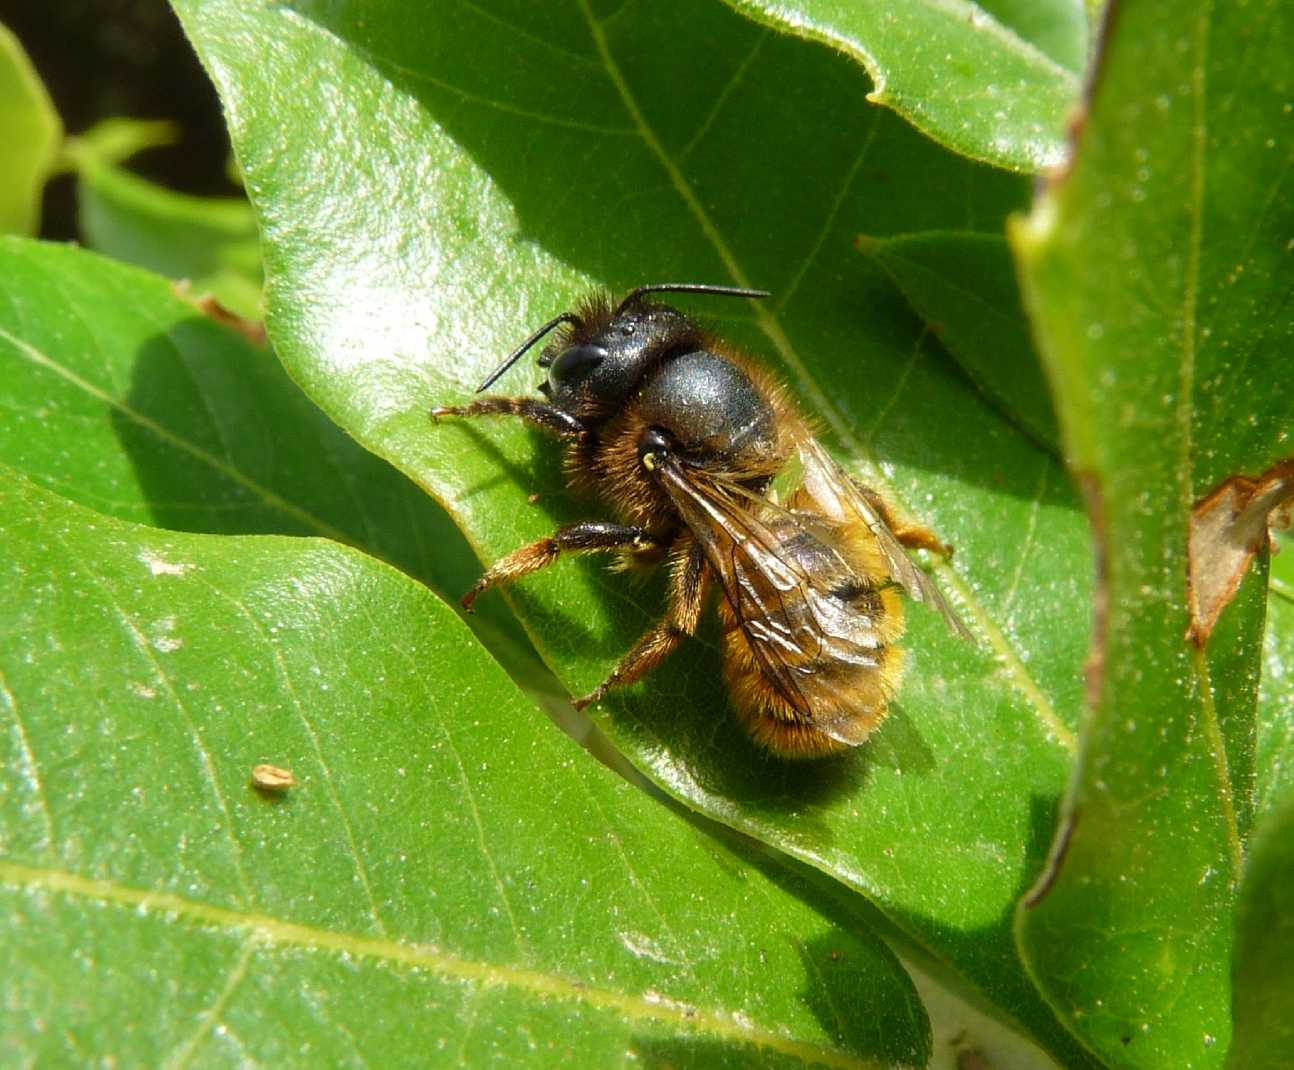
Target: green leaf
<point>30,132</point>
<point>476,194</point>
<point>1158,277</point>
<point>122,398</point>
<point>448,868</point>
<point>964,287</point>
<point>1264,984</point>
<point>1274,752</point>
<point>115,140</point>
<point>125,399</point>
<point>993,81</point>
<point>209,241</point>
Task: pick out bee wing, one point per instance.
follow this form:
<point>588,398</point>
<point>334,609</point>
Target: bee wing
<point>790,618</point>
<point>834,491</point>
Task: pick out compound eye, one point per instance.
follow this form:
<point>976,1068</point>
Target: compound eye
<point>575,364</point>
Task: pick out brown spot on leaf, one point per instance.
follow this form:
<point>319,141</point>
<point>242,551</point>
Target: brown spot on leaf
<point>1228,527</point>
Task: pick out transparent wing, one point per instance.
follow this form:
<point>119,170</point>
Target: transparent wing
<point>781,575</point>
<point>834,492</point>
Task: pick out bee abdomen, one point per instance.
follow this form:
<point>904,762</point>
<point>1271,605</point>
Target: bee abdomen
<point>842,683</point>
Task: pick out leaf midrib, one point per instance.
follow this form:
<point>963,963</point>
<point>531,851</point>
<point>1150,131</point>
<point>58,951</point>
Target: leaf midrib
<point>277,932</point>
<point>1010,661</point>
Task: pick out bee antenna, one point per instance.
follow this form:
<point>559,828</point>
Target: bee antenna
<point>520,351</point>
<point>688,288</point>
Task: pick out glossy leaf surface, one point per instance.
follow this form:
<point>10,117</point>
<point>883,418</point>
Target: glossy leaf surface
<point>472,197</point>
<point>450,879</point>
<point>993,80</point>
<point>1159,279</point>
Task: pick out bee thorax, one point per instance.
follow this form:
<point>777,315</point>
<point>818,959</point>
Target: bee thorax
<point>710,406</point>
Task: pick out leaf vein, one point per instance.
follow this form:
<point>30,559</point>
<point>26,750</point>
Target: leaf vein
<point>160,675</point>
<point>329,781</point>
<point>169,438</point>
<point>772,327</point>
<point>278,932</point>
<point>184,1054</point>
<point>29,760</point>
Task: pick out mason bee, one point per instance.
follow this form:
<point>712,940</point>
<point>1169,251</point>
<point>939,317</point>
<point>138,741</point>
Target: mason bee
<point>685,437</point>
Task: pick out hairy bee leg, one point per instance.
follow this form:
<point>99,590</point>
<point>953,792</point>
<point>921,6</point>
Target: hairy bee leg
<point>535,412</point>
<point>916,536</point>
<point>589,536</point>
<point>688,582</point>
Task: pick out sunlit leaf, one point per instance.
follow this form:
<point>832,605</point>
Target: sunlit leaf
<point>449,877</point>
<point>121,397</point>
<point>1159,277</point>
<point>993,81</point>
<point>437,192</point>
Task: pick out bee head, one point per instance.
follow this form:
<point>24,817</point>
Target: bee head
<point>604,350</point>
<point>596,367</point>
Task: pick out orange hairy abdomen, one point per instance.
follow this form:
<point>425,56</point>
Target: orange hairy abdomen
<point>845,692</point>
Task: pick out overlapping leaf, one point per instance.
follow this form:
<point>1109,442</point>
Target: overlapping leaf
<point>210,242</point>
<point>1274,752</point>
<point>992,80</point>
<point>1264,944</point>
<point>1159,277</point>
<point>402,904</point>
<point>122,397</point>
<point>440,186</point>
<point>964,287</point>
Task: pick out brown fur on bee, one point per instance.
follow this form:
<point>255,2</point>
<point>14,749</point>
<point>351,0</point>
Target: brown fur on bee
<point>858,693</point>
<point>682,436</point>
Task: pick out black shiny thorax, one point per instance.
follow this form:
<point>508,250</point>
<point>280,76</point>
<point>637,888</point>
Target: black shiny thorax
<point>711,408</point>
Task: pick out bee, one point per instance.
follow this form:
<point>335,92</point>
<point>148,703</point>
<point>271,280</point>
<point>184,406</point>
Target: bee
<point>685,437</point>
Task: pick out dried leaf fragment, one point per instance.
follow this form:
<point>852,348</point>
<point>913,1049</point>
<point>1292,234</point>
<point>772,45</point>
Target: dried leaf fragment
<point>272,778</point>
<point>1228,527</point>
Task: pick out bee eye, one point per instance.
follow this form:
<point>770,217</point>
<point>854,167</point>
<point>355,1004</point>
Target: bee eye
<point>575,363</point>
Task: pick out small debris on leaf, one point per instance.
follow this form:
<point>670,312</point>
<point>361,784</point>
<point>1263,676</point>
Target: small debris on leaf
<point>272,778</point>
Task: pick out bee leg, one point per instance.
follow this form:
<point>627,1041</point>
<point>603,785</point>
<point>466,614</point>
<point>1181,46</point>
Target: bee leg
<point>689,580</point>
<point>539,413</point>
<point>916,536</point>
<point>589,536</point>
